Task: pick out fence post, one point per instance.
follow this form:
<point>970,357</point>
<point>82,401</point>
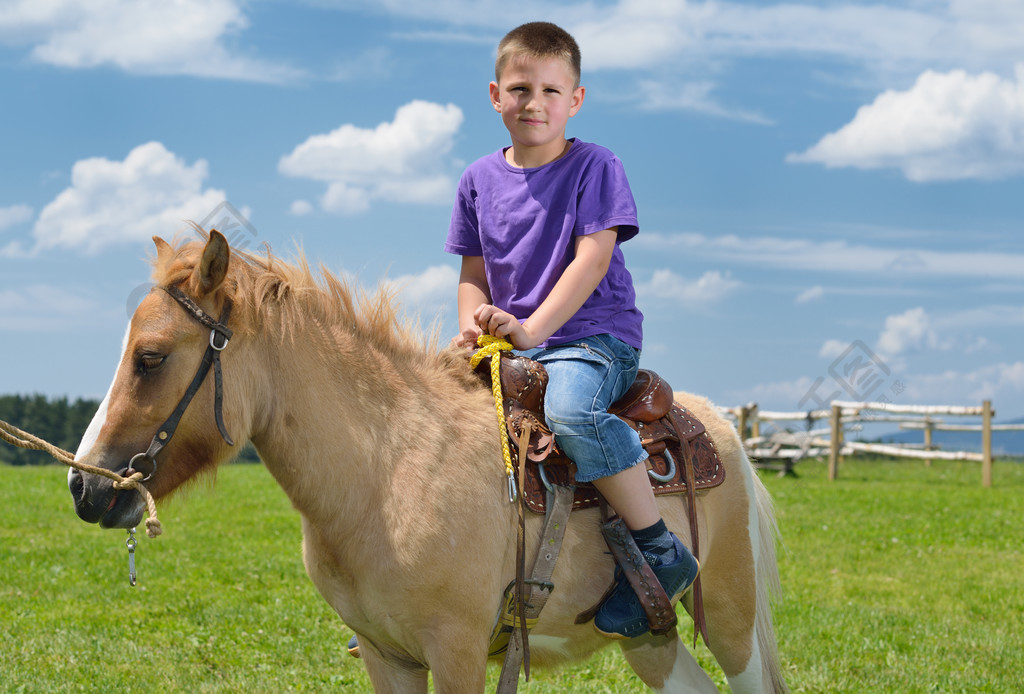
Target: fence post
<point>741,425</point>
<point>986,443</point>
<point>836,443</point>
<point>928,424</point>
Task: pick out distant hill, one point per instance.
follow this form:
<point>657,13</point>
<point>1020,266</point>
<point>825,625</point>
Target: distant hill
<point>1004,443</point>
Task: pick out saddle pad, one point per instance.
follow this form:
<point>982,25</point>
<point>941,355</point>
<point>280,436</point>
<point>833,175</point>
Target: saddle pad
<point>707,468</point>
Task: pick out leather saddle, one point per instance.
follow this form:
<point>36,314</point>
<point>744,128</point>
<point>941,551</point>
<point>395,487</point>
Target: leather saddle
<point>673,437</point>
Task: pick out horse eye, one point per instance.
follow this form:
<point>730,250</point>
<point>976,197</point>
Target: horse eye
<point>148,363</point>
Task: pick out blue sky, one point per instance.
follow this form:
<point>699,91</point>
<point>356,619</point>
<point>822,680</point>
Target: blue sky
<point>829,192</point>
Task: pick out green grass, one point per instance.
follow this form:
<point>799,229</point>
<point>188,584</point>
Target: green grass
<point>897,578</point>
<point>902,578</point>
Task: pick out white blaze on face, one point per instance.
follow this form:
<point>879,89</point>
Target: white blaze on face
<point>92,432</point>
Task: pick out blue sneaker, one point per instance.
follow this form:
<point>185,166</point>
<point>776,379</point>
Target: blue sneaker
<point>621,616</point>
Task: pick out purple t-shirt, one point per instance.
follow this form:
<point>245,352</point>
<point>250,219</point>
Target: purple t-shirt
<point>524,223</point>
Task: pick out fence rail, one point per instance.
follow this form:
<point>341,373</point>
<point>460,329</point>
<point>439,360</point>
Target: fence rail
<point>782,449</point>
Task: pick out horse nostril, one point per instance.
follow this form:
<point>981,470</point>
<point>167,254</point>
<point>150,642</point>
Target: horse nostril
<point>76,484</point>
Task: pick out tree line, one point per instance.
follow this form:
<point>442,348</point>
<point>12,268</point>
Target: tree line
<point>57,420</point>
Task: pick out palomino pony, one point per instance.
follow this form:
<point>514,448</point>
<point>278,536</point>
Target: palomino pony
<point>388,448</point>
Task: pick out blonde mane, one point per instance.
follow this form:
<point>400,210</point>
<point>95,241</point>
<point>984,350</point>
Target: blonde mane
<point>293,296</point>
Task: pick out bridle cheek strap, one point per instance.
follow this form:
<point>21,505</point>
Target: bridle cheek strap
<point>220,335</point>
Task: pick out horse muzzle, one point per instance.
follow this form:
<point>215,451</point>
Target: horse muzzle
<point>98,501</point>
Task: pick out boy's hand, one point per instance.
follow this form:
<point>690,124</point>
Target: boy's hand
<point>467,338</point>
<point>493,321</point>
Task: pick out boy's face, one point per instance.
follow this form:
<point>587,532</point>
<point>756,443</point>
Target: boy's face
<point>536,97</point>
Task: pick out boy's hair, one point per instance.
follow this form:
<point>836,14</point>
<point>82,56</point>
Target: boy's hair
<point>538,40</point>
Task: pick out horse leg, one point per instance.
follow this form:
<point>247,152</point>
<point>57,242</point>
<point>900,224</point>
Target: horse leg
<point>392,675</point>
<point>731,592</point>
<point>456,667</point>
<point>664,664</point>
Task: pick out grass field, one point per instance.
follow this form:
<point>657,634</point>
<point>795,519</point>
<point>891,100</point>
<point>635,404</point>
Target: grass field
<point>897,578</point>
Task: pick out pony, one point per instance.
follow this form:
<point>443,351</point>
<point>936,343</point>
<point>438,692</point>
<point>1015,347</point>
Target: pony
<point>388,447</point>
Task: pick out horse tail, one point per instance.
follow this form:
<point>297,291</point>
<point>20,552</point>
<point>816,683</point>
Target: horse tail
<point>768,587</point>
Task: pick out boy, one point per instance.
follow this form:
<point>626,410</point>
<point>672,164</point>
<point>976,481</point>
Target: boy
<point>538,226</point>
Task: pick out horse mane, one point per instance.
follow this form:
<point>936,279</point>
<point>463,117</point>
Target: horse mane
<point>260,286</point>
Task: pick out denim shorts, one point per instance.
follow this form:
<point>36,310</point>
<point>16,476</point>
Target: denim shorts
<point>584,378</point>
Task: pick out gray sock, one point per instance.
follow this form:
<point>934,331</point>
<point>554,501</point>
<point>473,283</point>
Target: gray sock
<point>655,543</point>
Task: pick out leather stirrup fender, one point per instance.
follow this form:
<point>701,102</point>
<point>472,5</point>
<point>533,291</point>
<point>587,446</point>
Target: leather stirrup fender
<point>657,606</point>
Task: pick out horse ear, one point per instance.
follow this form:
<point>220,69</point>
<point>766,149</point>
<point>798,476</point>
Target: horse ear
<point>213,267</point>
<point>163,250</point>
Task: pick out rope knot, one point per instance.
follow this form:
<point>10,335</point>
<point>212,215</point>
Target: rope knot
<point>489,347</point>
<point>153,527</point>
<point>130,482</point>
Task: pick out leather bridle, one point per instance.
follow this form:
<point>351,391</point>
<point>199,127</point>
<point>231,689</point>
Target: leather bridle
<point>220,335</point>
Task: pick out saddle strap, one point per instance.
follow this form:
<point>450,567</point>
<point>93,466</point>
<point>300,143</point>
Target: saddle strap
<point>699,623</point>
<point>656,604</point>
<point>540,587</point>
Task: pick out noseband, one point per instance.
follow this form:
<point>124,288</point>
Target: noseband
<point>219,337</point>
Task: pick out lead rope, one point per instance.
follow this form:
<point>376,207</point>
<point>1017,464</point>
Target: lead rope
<point>16,437</point>
<point>492,347</point>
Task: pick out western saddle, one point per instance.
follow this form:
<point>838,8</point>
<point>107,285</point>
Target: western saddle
<point>682,459</point>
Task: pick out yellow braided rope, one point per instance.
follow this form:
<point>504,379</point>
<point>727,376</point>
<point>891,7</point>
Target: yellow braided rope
<point>491,346</point>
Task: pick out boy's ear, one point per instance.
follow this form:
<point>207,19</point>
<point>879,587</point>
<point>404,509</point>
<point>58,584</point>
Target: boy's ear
<point>495,96</point>
<point>577,99</point>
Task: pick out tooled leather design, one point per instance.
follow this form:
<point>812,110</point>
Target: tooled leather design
<point>645,408</point>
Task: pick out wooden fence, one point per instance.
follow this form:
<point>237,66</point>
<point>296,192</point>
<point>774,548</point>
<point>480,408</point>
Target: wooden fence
<point>781,449</point>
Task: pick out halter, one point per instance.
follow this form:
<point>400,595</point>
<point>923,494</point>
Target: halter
<point>219,337</point>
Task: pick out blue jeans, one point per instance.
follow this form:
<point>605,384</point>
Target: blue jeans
<point>584,378</point>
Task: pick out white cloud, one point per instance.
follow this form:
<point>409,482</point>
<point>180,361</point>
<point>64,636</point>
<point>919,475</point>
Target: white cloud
<point>833,348</point>
<point>300,208</point>
<point>14,215</point>
<point>948,126</point>
<point>656,95</point>
<point>917,330</point>
<point>636,34</point>
<point>431,291</point>
<point>1002,383</point>
<point>910,331</point>
<point>42,307</point>
<point>151,192</point>
<point>989,316</point>
<point>646,34</point>
<point>980,344</point>
<point>664,40</point>
<point>815,293</point>
<point>710,287</point>
<point>142,36</point>
<point>402,161</point>
<point>884,36</point>
<point>834,256</point>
